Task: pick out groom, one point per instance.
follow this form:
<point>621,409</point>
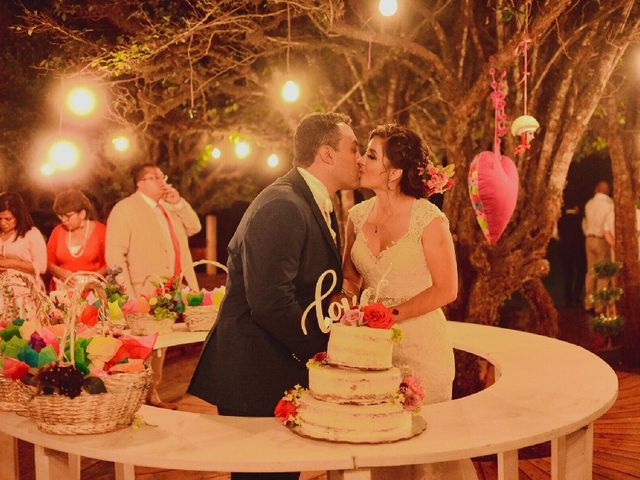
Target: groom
<point>286,239</point>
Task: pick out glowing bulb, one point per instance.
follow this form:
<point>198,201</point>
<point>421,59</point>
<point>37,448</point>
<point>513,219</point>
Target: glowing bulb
<point>81,101</point>
<point>388,8</point>
<point>63,155</point>
<point>216,153</point>
<point>273,161</point>
<point>290,91</point>
<point>121,143</point>
<point>242,149</point>
<point>47,169</point>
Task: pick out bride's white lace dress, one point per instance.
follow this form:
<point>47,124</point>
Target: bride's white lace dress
<point>400,272</point>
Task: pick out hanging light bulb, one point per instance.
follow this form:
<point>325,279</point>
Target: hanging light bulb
<point>121,143</point>
<point>81,101</point>
<point>242,149</point>
<point>290,91</point>
<point>273,160</point>
<point>216,153</point>
<point>47,169</point>
<point>388,8</point>
<point>63,155</point>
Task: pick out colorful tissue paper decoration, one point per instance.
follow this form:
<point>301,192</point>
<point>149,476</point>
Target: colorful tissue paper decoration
<point>94,356</point>
<point>204,297</point>
<point>493,189</point>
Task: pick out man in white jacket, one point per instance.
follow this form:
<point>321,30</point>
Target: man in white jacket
<point>147,236</point>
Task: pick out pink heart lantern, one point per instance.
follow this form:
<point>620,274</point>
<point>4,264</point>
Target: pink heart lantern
<point>493,189</point>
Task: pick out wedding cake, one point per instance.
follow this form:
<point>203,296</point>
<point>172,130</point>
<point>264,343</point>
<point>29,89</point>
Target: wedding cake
<point>355,393</point>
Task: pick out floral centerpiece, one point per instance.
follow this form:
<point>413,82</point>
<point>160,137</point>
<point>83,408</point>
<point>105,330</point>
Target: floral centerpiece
<point>156,313</point>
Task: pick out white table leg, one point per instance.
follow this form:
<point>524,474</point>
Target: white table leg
<point>54,465</point>
<point>10,466</point>
<point>357,474</point>
<point>508,465</point>
<point>125,471</point>
<point>74,466</point>
<point>572,455</point>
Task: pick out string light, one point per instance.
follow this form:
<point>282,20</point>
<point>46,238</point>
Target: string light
<point>273,161</point>
<point>388,8</point>
<point>81,101</point>
<point>63,155</point>
<point>47,169</point>
<point>121,143</point>
<point>216,153</point>
<point>242,149</point>
<point>290,91</point>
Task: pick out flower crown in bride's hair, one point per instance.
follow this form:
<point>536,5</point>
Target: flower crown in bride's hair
<point>436,179</point>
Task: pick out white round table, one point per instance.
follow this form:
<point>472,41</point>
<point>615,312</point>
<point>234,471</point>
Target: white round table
<point>546,390</point>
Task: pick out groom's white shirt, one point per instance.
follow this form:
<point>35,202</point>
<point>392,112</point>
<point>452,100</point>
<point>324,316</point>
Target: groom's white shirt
<point>320,195</point>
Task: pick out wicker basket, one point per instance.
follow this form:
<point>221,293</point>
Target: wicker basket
<point>135,386</point>
<point>15,396</point>
<point>146,324</point>
<point>83,414</point>
<point>202,318</point>
<point>89,413</point>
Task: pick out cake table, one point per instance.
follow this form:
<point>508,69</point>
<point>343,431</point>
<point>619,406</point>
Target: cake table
<point>546,390</point>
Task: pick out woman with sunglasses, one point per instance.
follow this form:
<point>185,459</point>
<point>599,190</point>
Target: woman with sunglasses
<point>22,247</point>
<point>77,243</point>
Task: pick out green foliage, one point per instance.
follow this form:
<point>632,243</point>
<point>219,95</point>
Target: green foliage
<point>607,269</point>
<point>606,295</point>
<point>607,326</point>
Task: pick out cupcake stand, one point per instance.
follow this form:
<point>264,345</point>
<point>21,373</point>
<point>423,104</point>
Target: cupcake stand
<point>546,390</point>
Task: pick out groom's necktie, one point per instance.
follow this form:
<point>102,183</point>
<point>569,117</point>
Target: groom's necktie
<point>177,267</point>
<point>327,212</point>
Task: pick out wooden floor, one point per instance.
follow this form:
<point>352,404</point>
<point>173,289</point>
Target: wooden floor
<point>616,442</point>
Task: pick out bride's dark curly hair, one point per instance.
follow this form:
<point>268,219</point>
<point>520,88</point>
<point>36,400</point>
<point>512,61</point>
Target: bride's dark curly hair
<point>406,151</point>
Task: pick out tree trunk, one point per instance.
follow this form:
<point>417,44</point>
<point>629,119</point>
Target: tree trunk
<point>544,311</point>
<point>626,238</point>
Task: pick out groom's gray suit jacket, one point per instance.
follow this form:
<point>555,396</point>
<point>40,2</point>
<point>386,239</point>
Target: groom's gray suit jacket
<point>257,349</point>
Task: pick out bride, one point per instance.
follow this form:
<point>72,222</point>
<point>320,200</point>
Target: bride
<point>400,238</point>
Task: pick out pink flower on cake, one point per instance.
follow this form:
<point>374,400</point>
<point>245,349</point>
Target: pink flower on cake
<point>412,391</point>
<point>376,315</point>
<point>353,317</point>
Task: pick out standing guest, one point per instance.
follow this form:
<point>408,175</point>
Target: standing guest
<point>595,213</point>
<point>610,229</point>
<point>571,243</point>
<point>286,239</point>
<point>22,247</point>
<point>147,236</point>
<point>78,243</point>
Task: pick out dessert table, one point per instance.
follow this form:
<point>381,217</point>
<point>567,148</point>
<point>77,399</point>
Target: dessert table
<point>546,389</point>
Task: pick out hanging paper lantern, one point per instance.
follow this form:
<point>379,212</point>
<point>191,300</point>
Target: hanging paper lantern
<point>493,189</point>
